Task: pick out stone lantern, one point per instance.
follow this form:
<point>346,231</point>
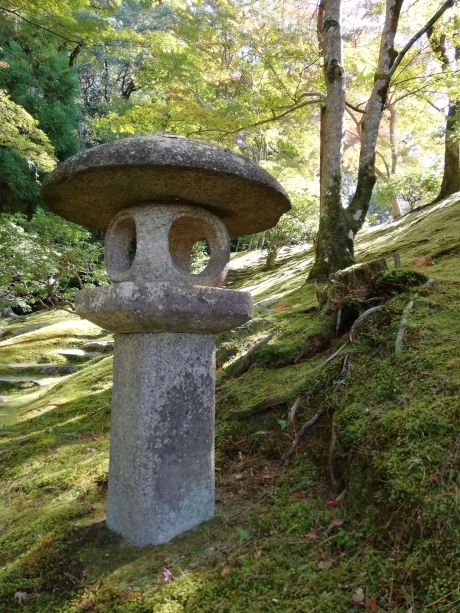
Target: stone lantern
<point>155,197</point>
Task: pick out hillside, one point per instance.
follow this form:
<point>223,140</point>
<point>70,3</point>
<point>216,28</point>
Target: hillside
<point>363,512</point>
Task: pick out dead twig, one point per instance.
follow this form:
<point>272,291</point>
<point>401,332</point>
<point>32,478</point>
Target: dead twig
<point>312,420</point>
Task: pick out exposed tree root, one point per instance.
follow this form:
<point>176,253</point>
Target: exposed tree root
<point>360,319</point>
<point>332,357</point>
<point>298,437</point>
<point>245,362</point>
<point>274,402</point>
<point>293,410</point>
<point>399,342</point>
<point>403,324</point>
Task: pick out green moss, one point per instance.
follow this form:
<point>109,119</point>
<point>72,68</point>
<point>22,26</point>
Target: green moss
<point>398,280</point>
<point>395,422</point>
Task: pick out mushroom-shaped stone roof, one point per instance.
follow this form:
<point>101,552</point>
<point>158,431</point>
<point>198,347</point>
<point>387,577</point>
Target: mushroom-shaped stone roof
<point>91,187</point>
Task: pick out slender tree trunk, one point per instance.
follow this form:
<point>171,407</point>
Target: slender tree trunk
<point>395,209</point>
<point>370,124</point>
<point>74,54</point>
<point>451,177</point>
<point>394,153</point>
<point>333,248</point>
<point>6,197</point>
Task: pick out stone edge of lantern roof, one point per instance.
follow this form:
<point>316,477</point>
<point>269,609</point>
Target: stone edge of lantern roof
<point>230,162</point>
<point>92,186</point>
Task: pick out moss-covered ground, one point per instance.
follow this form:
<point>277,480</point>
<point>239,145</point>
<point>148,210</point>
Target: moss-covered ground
<point>364,515</point>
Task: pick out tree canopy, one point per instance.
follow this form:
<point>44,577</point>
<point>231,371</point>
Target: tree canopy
<point>246,75</point>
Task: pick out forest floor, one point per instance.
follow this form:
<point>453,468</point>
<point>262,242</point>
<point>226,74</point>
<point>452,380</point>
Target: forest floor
<point>362,515</point>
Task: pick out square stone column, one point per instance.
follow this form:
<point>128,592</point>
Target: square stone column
<point>161,474</point>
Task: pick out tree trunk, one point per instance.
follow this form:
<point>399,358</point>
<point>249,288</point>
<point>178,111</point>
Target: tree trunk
<point>370,124</point>
<point>451,177</point>
<point>333,248</point>
<point>252,242</point>
<point>395,209</point>
<point>6,197</point>
<point>338,226</point>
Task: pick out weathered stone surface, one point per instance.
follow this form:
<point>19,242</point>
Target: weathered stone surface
<point>43,369</point>
<point>161,474</point>
<point>159,307</point>
<point>91,187</point>
<point>102,345</point>
<point>76,355</point>
<point>164,238</point>
<point>9,381</point>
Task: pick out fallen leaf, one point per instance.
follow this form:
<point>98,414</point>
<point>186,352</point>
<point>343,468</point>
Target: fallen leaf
<point>167,575</point>
<point>332,503</point>
<point>336,523</point>
<point>371,604</point>
<point>242,533</point>
<point>225,571</point>
<point>21,597</point>
<point>312,536</point>
<point>300,495</point>
<point>358,597</point>
<point>324,564</point>
<point>238,476</point>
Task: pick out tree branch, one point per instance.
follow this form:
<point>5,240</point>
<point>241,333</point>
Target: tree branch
<point>387,168</point>
<point>380,174</point>
<point>414,92</point>
<point>436,108</point>
<point>354,108</point>
<point>274,117</point>
<point>425,77</point>
<point>429,24</point>
<point>37,25</point>
<point>272,68</point>
<point>356,121</point>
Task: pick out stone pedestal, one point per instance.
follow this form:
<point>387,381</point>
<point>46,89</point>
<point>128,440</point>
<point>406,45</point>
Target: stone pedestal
<point>161,471</point>
<point>161,474</point>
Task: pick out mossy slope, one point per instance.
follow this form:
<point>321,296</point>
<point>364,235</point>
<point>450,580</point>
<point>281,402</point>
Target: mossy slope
<point>283,539</point>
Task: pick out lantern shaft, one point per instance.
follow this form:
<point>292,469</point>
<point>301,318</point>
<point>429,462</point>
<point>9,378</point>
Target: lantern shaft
<point>161,473</point>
